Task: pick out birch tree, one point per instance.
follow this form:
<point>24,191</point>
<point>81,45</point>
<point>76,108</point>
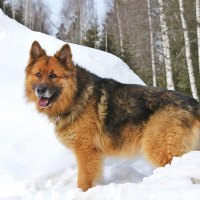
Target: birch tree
<point>188,51</point>
<point>166,47</point>
<point>152,44</point>
<point>106,38</point>
<point>26,13</point>
<point>13,8</point>
<point>76,16</point>
<point>119,27</point>
<point>198,28</point>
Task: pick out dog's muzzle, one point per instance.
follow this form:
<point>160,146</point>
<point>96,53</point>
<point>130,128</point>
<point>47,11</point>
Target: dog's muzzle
<point>43,91</point>
<point>45,94</point>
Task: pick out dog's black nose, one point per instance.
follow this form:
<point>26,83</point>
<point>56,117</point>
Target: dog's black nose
<point>41,90</point>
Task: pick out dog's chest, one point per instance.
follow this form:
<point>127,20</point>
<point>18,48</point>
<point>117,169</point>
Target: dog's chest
<point>65,132</point>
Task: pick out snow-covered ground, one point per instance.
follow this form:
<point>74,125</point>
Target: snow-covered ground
<point>34,165</point>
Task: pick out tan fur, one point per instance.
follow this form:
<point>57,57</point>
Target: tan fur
<point>164,138</point>
<point>82,127</point>
<point>159,140</point>
<point>80,137</point>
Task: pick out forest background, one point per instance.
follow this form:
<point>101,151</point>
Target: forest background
<point>159,40</point>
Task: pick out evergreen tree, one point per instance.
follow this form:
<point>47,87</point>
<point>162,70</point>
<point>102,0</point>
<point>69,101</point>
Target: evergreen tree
<point>61,32</point>
<point>8,10</point>
<point>107,42</point>
<point>92,35</point>
<point>19,14</point>
<point>6,7</point>
<point>2,2</point>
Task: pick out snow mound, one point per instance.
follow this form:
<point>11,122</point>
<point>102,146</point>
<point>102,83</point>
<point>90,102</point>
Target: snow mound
<point>18,39</point>
<point>34,165</point>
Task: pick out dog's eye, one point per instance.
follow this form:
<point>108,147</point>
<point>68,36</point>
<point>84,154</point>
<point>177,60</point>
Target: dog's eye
<point>38,74</point>
<point>52,76</point>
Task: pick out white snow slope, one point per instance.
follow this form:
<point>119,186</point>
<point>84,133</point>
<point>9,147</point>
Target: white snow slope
<point>34,165</point>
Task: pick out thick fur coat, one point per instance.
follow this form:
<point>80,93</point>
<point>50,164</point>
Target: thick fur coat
<point>97,117</point>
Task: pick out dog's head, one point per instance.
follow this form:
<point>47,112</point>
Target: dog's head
<point>50,80</point>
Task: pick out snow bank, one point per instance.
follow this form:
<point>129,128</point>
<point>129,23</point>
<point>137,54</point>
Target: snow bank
<point>34,165</point>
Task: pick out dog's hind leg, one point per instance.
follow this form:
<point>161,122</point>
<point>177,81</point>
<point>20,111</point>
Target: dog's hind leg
<point>170,132</point>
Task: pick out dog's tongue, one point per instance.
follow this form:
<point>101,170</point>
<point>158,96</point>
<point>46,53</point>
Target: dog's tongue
<point>43,102</point>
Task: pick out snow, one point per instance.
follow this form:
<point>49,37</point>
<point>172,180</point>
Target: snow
<point>35,166</point>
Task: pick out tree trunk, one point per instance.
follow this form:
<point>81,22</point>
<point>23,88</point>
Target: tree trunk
<point>106,39</point>
<point>188,51</point>
<point>198,28</point>
<point>13,8</point>
<point>152,44</point>
<point>4,6</point>
<point>26,13</point>
<point>30,15</point>
<point>166,47</point>
<point>120,30</point>
<point>78,27</point>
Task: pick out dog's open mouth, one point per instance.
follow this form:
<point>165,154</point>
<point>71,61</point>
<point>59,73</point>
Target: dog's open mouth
<point>44,102</point>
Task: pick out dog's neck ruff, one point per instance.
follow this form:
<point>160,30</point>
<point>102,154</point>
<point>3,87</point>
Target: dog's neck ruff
<point>78,107</point>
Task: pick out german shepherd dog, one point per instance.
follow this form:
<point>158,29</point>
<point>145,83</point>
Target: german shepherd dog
<point>97,117</point>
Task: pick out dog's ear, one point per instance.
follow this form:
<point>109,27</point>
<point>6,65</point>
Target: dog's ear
<point>65,55</point>
<point>36,51</point>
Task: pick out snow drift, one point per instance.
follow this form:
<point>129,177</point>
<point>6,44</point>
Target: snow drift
<point>34,165</point>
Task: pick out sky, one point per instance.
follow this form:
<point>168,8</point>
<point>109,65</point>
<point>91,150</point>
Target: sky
<point>56,6</point>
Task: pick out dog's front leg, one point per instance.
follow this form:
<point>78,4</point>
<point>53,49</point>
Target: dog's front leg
<point>89,161</point>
